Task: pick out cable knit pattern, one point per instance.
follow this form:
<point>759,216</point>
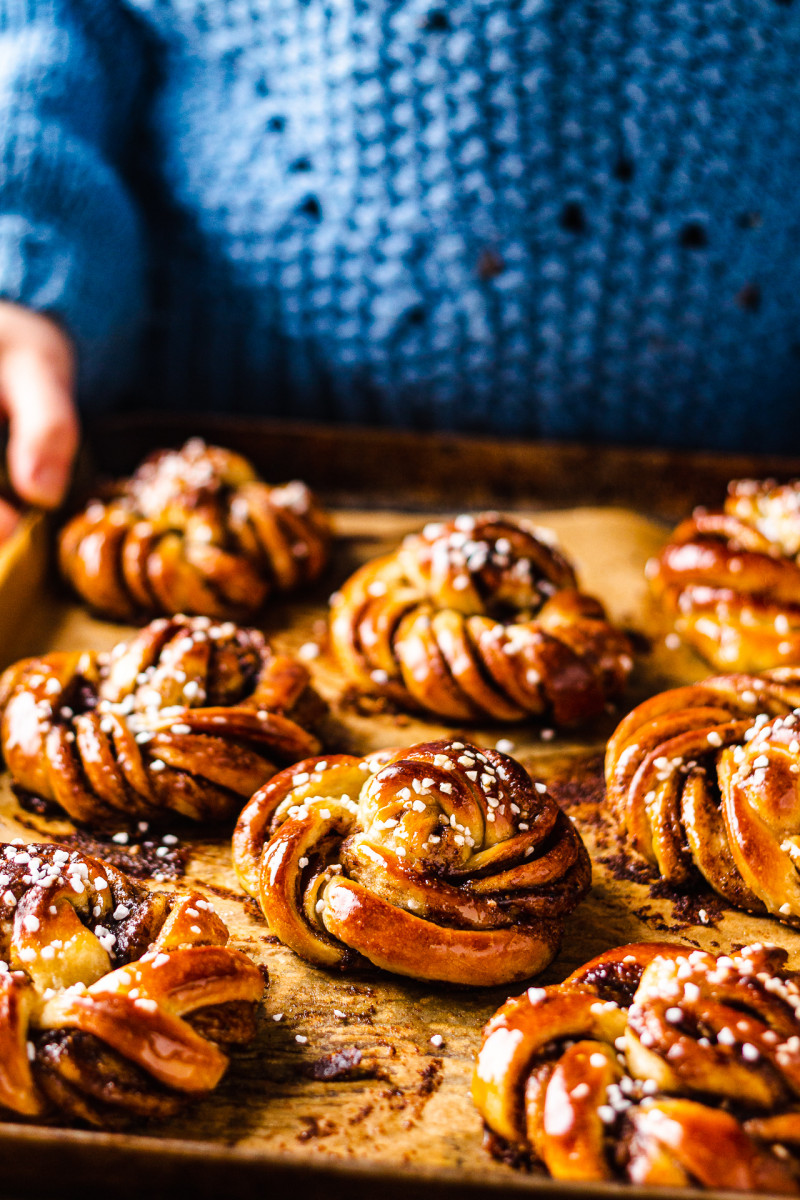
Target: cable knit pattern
<point>70,233</point>
<point>510,215</point>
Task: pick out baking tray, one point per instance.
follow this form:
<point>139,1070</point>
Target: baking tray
<point>407,1120</point>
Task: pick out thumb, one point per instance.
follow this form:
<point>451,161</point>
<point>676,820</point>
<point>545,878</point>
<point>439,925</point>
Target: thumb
<point>9,519</point>
<point>43,425</point>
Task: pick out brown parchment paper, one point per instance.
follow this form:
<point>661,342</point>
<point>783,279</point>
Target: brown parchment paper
<point>402,1100</point>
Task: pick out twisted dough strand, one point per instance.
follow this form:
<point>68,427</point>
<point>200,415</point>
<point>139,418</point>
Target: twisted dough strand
<point>479,617</point>
<point>194,530</point>
<point>186,716</point>
<point>731,579</point>
<point>655,1063</point>
<point>707,778</point>
<point>440,861</point>
<point>99,981</point>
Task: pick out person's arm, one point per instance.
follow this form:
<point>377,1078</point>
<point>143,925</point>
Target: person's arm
<point>71,253</point>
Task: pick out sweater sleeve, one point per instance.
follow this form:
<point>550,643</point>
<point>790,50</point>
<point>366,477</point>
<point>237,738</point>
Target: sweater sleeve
<point>70,237</point>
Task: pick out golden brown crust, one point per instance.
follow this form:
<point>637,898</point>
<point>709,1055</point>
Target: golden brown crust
<point>86,1029</point>
<point>658,1064</point>
<point>440,861</point>
<point>186,716</point>
<point>479,617</point>
<point>731,579</point>
<point>194,530</point>
<point>706,778</point>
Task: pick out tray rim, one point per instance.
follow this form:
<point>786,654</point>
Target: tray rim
<point>359,462</point>
<point>209,1164</point>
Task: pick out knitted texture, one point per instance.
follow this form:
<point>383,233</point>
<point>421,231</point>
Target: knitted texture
<point>559,218</point>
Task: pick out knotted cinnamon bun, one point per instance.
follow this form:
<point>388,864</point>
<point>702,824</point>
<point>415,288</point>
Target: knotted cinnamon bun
<point>655,1063</point>
<point>112,997</point>
<point>186,716</point>
<point>194,530</point>
<point>731,579</point>
<point>479,617</point>
<point>440,861</point>
<point>706,779</point>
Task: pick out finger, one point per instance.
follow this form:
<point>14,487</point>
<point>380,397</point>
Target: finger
<point>43,426</point>
<point>9,519</point>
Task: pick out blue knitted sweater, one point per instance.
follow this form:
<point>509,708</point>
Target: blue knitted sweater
<point>559,218</point>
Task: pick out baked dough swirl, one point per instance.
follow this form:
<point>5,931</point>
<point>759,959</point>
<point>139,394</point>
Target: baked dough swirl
<point>185,716</point>
<point>194,530</point>
<point>479,618</point>
<point>655,1063</point>
<point>112,997</point>
<point>440,861</point>
<point>731,579</point>
<point>706,779</point>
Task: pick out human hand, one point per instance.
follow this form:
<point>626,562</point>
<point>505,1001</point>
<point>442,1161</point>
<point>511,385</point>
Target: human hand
<point>37,376</point>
